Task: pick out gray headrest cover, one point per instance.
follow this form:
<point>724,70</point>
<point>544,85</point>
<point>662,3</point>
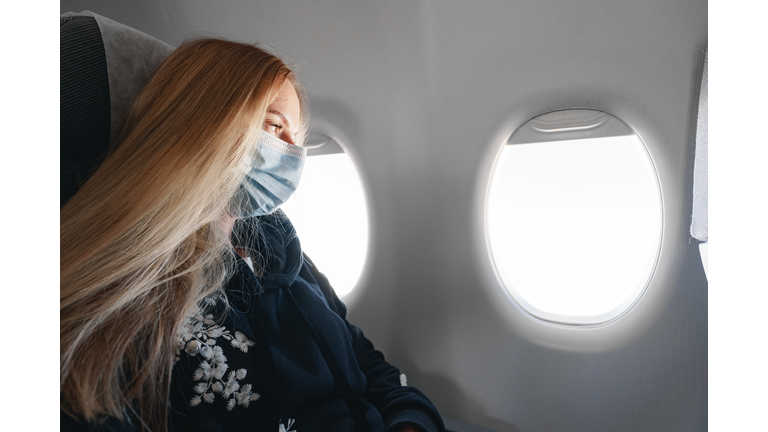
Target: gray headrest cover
<point>132,59</point>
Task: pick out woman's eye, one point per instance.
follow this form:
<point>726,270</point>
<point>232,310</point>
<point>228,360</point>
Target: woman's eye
<point>271,127</point>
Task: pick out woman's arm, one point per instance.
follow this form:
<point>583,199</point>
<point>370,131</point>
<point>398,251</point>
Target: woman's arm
<point>399,405</point>
<point>403,408</point>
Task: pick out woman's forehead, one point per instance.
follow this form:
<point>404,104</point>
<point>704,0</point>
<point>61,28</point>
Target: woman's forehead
<point>286,103</point>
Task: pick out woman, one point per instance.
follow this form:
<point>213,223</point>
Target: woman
<point>169,320</point>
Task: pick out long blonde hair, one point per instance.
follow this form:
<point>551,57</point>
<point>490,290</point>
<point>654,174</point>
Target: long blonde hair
<point>140,242</point>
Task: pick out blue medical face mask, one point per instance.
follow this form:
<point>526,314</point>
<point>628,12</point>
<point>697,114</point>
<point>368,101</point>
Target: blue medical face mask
<point>270,178</point>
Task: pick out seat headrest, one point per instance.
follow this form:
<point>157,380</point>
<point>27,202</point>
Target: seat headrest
<point>103,66</point>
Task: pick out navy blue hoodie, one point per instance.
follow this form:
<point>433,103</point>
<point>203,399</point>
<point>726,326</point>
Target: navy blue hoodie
<point>280,354</point>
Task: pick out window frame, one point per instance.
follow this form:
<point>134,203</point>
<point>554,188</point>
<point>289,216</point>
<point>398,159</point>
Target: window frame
<point>569,320</point>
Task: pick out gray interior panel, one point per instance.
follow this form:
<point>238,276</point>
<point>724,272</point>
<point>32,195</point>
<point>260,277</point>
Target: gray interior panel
<point>700,218</point>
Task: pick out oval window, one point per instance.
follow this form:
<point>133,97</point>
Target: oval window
<point>574,217</point>
<point>329,213</point>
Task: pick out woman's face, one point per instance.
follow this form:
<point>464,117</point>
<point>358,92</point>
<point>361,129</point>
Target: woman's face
<point>284,114</point>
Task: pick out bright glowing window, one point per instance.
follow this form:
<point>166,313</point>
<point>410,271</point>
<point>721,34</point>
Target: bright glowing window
<point>574,217</point>
<point>329,213</point>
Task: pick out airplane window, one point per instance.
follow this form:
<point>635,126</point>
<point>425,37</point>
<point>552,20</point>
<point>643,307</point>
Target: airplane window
<point>574,217</point>
<point>329,213</point>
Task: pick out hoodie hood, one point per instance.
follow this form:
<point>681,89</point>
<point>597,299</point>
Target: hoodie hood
<point>273,239</point>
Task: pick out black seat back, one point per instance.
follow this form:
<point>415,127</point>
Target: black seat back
<point>103,65</point>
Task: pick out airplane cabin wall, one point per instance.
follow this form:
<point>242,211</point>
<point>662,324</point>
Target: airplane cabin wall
<point>425,93</point>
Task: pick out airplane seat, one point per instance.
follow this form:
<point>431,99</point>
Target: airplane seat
<point>103,65</point>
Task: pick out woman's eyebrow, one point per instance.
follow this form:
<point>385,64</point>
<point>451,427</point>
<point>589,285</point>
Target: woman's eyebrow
<point>279,114</point>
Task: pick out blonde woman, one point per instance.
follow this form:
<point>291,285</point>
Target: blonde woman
<point>172,320</point>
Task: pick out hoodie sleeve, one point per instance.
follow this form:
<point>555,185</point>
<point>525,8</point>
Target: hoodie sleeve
<point>386,390</point>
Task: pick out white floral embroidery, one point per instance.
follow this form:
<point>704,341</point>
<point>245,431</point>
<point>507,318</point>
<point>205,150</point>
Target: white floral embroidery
<point>284,428</point>
<point>198,338</point>
<point>241,341</point>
